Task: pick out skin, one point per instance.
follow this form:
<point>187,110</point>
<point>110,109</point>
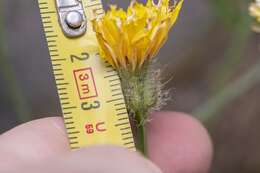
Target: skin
<point>177,144</point>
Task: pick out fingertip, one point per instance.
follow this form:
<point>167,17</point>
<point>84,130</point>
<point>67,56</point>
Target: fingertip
<point>35,140</point>
<point>103,158</point>
<point>113,158</point>
<point>179,143</point>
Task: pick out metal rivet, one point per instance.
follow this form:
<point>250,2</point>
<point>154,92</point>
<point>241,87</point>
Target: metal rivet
<point>74,19</point>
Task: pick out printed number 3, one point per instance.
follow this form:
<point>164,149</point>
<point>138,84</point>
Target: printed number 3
<point>88,106</point>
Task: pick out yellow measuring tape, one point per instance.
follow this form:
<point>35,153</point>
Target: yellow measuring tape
<point>89,89</point>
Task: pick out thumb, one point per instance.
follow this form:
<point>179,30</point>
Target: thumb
<point>98,159</point>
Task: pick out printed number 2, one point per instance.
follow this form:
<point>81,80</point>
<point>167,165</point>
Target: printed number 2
<point>88,106</point>
<point>84,56</point>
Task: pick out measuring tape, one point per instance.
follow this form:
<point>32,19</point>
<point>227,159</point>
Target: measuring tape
<point>89,89</point>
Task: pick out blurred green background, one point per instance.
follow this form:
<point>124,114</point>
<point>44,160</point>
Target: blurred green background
<point>212,55</point>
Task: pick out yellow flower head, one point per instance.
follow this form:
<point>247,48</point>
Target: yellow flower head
<point>129,38</point>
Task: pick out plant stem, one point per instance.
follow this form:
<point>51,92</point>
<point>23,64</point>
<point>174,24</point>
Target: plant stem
<point>139,132</point>
<point>139,99</point>
<point>209,109</point>
<point>143,143</point>
<point>234,54</point>
<point>141,137</point>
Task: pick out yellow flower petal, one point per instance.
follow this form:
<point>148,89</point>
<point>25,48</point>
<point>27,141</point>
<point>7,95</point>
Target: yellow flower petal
<point>129,38</point>
<point>104,52</point>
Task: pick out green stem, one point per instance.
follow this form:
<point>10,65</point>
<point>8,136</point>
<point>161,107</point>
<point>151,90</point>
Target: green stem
<point>138,100</point>
<point>141,143</point>
<point>234,54</point>
<point>210,108</point>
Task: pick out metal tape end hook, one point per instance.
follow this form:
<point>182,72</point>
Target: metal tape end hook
<point>72,17</point>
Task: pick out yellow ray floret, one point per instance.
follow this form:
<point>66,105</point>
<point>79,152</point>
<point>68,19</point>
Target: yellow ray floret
<point>129,38</point>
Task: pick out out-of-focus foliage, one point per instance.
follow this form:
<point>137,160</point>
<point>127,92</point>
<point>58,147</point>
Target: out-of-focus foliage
<point>14,93</point>
<point>254,10</point>
<point>234,16</point>
<point>230,12</point>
